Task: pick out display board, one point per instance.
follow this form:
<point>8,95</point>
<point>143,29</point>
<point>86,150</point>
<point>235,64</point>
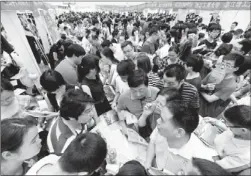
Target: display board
<point>16,34</point>
<point>198,5</point>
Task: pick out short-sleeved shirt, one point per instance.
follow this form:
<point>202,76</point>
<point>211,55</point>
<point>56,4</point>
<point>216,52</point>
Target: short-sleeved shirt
<point>48,160</point>
<point>223,90</point>
<point>68,70</point>
<point>154,80</point>
<point>175,160</point>
<point>134,106</point>
<point>234,153</point>
<point>190,96</point>
<point>195,82</point>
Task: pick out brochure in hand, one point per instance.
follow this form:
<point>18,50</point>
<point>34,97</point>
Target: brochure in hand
<point>134,137</point>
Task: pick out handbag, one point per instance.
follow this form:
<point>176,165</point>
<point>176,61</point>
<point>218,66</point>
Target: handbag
<point>10,70</point>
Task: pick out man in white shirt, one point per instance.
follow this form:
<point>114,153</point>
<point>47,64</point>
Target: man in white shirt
<point>83,156</point>
<point>173,141</point>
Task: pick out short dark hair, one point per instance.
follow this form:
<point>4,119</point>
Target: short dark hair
<point>132,168</point>
<point>227,37</point>
<point>214,26</point>
<point>236,23</point>
<point>51,80</point>
<point>13,131</point>
<point>85,154</point>
<point>223,49</point>
<point>75,99</point>
<point>143,62</point>
<point>89,62</point>
<point>125,67</point>
<point>137,78</point>
<point>195,61</point>
<point>107,52</point>
<point>133,31</point>
<point>76,50</point>
<point>201,35</point>
<point>153,30</point>
<point>247,35</point>
<point>186,118</point>
<point>6,85</point>
<point>238,31</point>
<point>115,32</point>
<point>125,43</point>
<point>239,115</point>
<point>207,167</point>
<point>172,93</point>
<point>106,43</point>
<point>246,46</point>
<point>236,57</point>
<point>94,21</point>
<point>175,70</point>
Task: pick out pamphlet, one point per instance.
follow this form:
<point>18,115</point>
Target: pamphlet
<point>134,137</point>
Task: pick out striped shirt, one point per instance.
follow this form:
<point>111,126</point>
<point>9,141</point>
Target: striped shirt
<point>165,62</point>
<point>190,95</point>
<point>155,80</point>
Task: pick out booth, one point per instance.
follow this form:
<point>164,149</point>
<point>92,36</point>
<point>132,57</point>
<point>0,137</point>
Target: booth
<point>15,17</point>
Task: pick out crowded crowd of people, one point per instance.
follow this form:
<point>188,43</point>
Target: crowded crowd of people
<point>183,86</point>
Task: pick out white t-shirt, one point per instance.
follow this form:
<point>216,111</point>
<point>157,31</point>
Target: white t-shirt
<point>235,153</point>
<point>163,52</point>
<point>121,86</point>
<point>48,160</point>
<point>175,160</point>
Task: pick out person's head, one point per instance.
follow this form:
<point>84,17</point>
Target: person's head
<point>174,76</point>
<point>132,167</point>
<point>245,46</point>
<point>89,67</point>
<point>198,166</point>
<point>7,92</point>
<point>223,49</point>
<point>106,43</point>
<point>177,122</point>
<point>153,33</point>
<point>167,95</point>
<point>85,154</point>
<point>238,119</point>
<point>135,32</point>
<point>127,48</point>
<point>238,33</point>
<point>138,83</point>
<point>19,139</point>
<point>247,35</point>
<point>107,56</point>
<point>75,52</point>
<point>52,81</point>
<point>82,104</point>
<point>234,25</point>
<point>194,63</point>
<point>115,33</point>
<point>214,30</point>
<point>173,53</point>
<point>66,29</point>
<point>227,37</point>
<point>125,68</point>
<point>185,50</point>
<point>232,62</point>
<point>122,38</point>
<point>201,36</point>
<point>143,62</point>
